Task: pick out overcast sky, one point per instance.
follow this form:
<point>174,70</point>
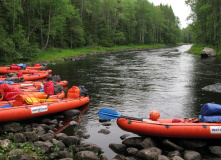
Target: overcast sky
<point>179,7</point>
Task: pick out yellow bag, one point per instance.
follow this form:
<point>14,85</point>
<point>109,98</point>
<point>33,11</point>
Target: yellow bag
<point>31,100</point>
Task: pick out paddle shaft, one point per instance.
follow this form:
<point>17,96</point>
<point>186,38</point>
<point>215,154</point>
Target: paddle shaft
<point>132,118</point>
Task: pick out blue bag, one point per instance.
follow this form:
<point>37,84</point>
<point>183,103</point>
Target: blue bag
<point>211,118</point>
<point>210,109</point>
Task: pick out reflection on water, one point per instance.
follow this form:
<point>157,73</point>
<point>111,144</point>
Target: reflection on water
<point>134,83</point>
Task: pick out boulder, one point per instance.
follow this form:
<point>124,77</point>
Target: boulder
<point>192,155</point>
<point>151,153</point>
<point>208,52</point>
<point>86,155</point>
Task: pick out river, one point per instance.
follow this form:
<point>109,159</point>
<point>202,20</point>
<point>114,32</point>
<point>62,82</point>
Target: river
<point>134,83</point>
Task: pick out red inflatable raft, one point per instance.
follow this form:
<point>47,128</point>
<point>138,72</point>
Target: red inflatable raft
<point>29,77</point>
<point>5,70</point>
<point>166,128</point>
<point>18,112</point>
<point>177,128</point>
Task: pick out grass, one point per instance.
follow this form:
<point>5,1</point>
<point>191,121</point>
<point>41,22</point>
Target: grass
<point>198,48</point>
<point>58,53</point>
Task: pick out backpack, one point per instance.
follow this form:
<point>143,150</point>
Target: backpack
<point>57,88</point>
<point>49,88</point>
<point>56,78</point>
<point>83,91</point>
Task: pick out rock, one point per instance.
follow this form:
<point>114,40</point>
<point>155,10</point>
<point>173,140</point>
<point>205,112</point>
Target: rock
<point>58,144</point>
<point>215,150</point>
<point>104,131</point>
<point>31,136</point>
<point>28,128</point>
<point>59,155</point>
<point>132,151</point>
<point>86,155</point>
<point>103,157</point>
<point>162,157</point>
<point>104,120</point>
<point>73,123</point>
<point>208,52</point>
<point>19,138</point>
<point>118,148</point>
<point>147,142</point>
<point>174,50</point>
<point>61,136</point>
<point>177,158</point>
<point>171,145</point>
<point>45,121</point>
<point>22,157</point>
<point>47,137</point>
<point>45,146</point>
<point>80,132</point>
<point>173,154</point>
<point>52,127</point>
<point>120,157</point>
<point>6,143</point>
<point>85,136</point>
<point>11,127</point>
<point>39,130</point>
<point>124,136</point>
<point>133,142</point>
<point>16,152</point>
<point>71,113</point>
<point>149,153</point>
<point>213,88</point>
<point>106,124</point>
<point>89,147</point>
<point>71,140</point>
<point>190,144</point>
<point>191,155</point>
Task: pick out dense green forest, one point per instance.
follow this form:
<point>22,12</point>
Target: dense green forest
<point>28,27</point>
<point>206,26</point>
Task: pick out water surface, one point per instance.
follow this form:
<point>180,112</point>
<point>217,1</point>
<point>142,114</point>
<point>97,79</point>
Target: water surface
<point>136,82</point>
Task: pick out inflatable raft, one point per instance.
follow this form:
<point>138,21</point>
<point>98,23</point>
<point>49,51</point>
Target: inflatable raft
<point>40,109</point>
<point>20,110</point>
<point>177,127</point>
<point>29,77</point>
<point>166,128</point>
<point>5,70</point>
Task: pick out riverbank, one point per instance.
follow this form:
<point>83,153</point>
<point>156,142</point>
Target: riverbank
<point>53,54</point>
<point>198,48</point>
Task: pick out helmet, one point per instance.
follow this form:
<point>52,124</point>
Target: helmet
<point>154,115</point>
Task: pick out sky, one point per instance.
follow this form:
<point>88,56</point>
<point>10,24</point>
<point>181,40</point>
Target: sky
<point>179,7</point>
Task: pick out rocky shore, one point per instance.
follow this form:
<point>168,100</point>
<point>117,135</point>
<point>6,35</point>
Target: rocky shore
<point>159,148</point>
<point>41,139</point>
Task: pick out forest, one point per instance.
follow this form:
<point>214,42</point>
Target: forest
<point>206,26</point>
<point>28,28</point>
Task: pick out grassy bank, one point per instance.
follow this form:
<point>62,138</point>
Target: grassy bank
<point>54,53</point>
<point>198,48</point>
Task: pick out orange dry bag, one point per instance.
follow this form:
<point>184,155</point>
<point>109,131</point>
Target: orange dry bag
<point>73,92</point>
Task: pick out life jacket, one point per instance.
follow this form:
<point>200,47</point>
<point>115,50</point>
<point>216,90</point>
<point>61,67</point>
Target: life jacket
<point>49,88</point>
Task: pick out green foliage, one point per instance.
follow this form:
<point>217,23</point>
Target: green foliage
<point>198,48</point>
<point>206,26</point>
<point>28,28</point>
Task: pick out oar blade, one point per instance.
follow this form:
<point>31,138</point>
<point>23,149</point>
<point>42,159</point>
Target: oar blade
<point>107,113</point>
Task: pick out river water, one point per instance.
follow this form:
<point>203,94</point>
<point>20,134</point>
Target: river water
<point>134,83</point>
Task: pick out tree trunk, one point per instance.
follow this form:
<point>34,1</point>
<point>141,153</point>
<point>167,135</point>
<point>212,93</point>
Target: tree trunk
<point>49,28</point>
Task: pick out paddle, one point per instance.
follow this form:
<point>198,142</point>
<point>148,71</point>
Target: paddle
<point>107,113</point>
<point>6,106</point>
